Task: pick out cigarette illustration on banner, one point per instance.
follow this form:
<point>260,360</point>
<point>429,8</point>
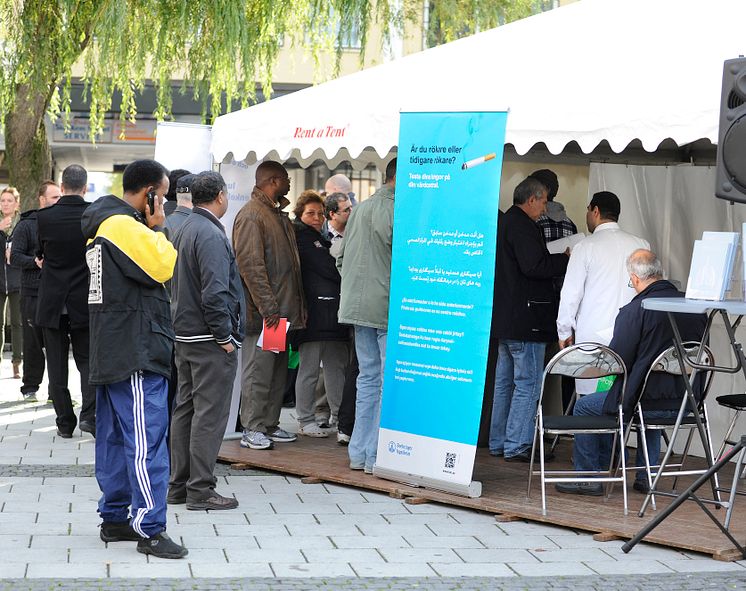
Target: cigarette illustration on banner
<point>478,161</point>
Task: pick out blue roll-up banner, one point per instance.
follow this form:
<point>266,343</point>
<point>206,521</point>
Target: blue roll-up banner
<point>440,307</point>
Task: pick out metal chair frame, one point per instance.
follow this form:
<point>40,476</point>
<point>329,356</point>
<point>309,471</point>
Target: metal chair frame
<point>612,365</point>
<point>740,470</point>
<point>668,362</point>
<point>738,409</point>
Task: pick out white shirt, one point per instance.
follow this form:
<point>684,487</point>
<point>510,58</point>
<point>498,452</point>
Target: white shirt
<point>595,287</point>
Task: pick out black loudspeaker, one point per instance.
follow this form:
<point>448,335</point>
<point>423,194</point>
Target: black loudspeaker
<point>730,182</point>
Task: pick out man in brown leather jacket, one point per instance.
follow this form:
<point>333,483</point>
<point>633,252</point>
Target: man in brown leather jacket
<point>268,262</point>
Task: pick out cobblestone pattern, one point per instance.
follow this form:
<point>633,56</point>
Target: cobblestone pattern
<point>683,582</point>
<point>89,471</point>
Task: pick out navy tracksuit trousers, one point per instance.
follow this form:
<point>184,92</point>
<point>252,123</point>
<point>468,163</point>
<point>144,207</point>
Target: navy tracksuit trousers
<point>132,464</point>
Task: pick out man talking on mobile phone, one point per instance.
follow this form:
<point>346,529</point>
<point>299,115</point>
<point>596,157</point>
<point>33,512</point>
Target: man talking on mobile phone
<point>129,258</point>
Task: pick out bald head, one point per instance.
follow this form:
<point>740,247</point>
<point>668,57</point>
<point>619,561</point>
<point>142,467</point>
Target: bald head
<point>644,269</point>
<point>338,183</point>
<point>266,170</point>
<point>272,178</point>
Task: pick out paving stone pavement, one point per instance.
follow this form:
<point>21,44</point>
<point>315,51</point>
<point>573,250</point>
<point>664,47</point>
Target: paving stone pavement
<point>599,583</point>
<point>287,535</point>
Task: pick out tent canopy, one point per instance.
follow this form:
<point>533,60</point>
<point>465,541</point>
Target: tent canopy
<point>595,70</point>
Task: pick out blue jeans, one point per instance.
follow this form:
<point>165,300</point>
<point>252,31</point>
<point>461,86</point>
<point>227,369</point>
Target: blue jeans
<point>370,346</point>
<point>520,365</point>
<point>593,452</point>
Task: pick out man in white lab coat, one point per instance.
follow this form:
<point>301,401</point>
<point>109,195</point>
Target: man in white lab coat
<point>596,282</point>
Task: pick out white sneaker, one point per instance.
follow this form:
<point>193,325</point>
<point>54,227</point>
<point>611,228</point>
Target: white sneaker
<point>255,440</point>
<point>342,439</point>
<point>282,436</point>
<point>313,430</point>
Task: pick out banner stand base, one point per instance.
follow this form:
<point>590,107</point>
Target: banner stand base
<point>471,490</point>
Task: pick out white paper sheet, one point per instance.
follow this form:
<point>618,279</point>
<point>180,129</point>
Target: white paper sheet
<point>561,245</point>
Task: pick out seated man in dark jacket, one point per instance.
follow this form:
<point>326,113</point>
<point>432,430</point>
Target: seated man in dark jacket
<point>639,337</point>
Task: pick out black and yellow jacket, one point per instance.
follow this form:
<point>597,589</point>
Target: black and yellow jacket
<point>130,321</point>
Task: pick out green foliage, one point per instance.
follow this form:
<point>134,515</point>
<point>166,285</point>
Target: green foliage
<point>220,48</point>
<point>448,20</point>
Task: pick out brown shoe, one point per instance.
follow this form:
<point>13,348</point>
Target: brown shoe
<point>16,370</point>
<point>216,502</point>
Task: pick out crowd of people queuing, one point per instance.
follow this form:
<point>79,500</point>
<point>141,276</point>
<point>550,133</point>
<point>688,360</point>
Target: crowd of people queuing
<point>156,301</point>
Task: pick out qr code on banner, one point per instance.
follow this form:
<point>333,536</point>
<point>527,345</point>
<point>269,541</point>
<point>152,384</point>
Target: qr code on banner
<point>450,461</point>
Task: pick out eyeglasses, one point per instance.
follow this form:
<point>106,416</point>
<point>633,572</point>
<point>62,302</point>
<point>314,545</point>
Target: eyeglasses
<point>629,283</point>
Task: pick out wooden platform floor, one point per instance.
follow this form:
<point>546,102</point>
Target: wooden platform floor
<point>504,494</point>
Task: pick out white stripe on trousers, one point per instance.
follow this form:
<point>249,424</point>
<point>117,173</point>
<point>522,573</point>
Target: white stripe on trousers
<point>141,452</point>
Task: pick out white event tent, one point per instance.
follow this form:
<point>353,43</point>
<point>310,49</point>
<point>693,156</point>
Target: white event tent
<point>595,70</point>
<point>590,79</point>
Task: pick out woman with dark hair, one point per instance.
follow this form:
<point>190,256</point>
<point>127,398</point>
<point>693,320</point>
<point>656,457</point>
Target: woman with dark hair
<point>324,341</point>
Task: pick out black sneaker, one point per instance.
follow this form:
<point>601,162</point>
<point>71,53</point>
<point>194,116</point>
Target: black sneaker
<point>161,546</point>
<point>580,488</point>
<point>118,531</point>
<point>641,486</point>
<point>525,456</point>
<point>88,427</point>
<point>216,502</point>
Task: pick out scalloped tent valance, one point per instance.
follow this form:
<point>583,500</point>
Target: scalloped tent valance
<point>595,70</point>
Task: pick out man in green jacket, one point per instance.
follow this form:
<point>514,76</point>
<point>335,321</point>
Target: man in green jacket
<point>365,265</point>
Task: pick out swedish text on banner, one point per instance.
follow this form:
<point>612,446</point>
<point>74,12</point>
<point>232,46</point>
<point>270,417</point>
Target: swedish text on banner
<point>445,236</point>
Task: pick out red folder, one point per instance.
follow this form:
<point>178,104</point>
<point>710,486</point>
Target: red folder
<point>275,338</point>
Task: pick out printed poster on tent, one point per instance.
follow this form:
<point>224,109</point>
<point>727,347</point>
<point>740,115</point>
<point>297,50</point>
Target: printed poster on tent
<point>440,307</point>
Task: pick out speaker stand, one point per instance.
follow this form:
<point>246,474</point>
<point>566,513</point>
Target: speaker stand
<point>739,448</point>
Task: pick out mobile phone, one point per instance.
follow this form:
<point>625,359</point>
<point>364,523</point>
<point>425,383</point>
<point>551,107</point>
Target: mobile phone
<point>151,202</point>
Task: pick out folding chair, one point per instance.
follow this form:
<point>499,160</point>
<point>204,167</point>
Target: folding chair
<point>737,403</point>
<point>668,362</point>
<point>567,411</point>
<point>581,361</point>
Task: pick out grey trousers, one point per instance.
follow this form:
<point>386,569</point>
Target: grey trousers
<point>321,403</point>
<point>206,375</point>
<point>263,386</point>
<point>334,355</point>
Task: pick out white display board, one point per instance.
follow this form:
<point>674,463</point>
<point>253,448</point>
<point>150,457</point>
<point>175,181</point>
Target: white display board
<point>239,179</point>
<point>184,145</point>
